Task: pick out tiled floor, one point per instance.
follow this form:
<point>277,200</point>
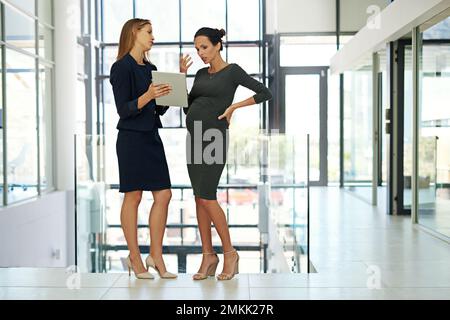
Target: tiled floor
<point>358,251</point>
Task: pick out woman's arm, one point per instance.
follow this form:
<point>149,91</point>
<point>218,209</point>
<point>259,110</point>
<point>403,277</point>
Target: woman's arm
<point>120,79</point>
<point>262,93</point>
<point>240,77</point>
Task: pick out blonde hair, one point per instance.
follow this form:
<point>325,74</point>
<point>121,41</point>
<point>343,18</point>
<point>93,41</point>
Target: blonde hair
<point>128,36</point>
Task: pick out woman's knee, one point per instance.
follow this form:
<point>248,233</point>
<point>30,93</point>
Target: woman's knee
<point>133,197</point>
<point>162,197</point>
<point>204,202</point>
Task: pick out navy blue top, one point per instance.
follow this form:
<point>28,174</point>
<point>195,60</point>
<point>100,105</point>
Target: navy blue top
<point>129,81</point>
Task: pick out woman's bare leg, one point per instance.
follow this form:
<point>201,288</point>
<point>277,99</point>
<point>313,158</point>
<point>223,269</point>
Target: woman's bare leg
<point>157,223</point>
<point>128,219</point>
<point>217,216</point>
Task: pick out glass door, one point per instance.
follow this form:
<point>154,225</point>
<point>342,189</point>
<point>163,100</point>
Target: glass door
<point>304,103</point>
<point>433,125</point>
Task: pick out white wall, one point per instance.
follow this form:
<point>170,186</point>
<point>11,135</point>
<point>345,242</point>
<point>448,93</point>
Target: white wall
<point>38,233</point>
<point>292,16</point>
<point>67,19</point>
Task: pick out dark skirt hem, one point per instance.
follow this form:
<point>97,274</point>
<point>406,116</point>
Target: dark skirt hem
<point>206,197</point>
<point>143,188</point>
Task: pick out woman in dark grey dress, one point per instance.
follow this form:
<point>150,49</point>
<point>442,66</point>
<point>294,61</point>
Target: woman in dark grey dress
<point>207,121</point>
<point>140,152</point>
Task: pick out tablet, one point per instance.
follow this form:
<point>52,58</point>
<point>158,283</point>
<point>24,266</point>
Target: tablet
<point>178,96</point>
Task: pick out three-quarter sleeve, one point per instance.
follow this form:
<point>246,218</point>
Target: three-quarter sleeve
<point>262,93</point>
<point>120,79</point>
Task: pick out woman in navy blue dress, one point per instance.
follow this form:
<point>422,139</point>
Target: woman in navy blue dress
<point>140,151</point>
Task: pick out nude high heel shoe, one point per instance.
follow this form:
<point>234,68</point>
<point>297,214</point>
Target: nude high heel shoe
<point>143,275</point>
<point>229,276</point>
<point>149,262</point>
<point>210,272</point>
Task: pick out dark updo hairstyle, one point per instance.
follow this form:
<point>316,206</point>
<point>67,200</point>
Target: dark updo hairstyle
<point>214,35</point>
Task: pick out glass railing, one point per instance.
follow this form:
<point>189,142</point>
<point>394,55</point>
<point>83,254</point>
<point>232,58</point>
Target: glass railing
<point>263,192</point>
<point>289,201</point>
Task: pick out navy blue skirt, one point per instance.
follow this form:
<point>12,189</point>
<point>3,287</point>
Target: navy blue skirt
<point>142,161</point>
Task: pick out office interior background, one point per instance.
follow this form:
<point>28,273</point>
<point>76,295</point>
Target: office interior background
<point>361,105</point>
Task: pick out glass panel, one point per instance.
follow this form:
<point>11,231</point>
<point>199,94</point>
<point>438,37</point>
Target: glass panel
<point>27,5</point>
<point>288,203</point>
<point>166,58</point>
<point>19,30</point>
<point>434,130</point>
<point>45,127</point>
<point>21,124</point>
<point>333,129</point>
<point>164,15</point>
<point>385,104</point>
<point>109,57</point>
<point>243,20</point>
<point>196,14</point>
<point>303,114</point>
<point>307,51</point>
<point>1,129</point>
<point>246,57</point>
<point>45,42</point>
<point>358,152</point>
<point>115,14</point>
<point>90,202</point>
<point>408,131</point>
<point>45,11</point>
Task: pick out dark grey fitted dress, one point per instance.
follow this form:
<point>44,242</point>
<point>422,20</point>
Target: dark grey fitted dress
<point>210,96</point>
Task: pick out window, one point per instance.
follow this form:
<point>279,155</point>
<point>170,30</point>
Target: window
<point>21,126</point>
<point>28,107</point>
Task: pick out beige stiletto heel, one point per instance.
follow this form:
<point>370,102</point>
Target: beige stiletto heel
<point>211,270</point>
<point>143,275</point>
<point>229,276</point>
<point>149,262</point>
